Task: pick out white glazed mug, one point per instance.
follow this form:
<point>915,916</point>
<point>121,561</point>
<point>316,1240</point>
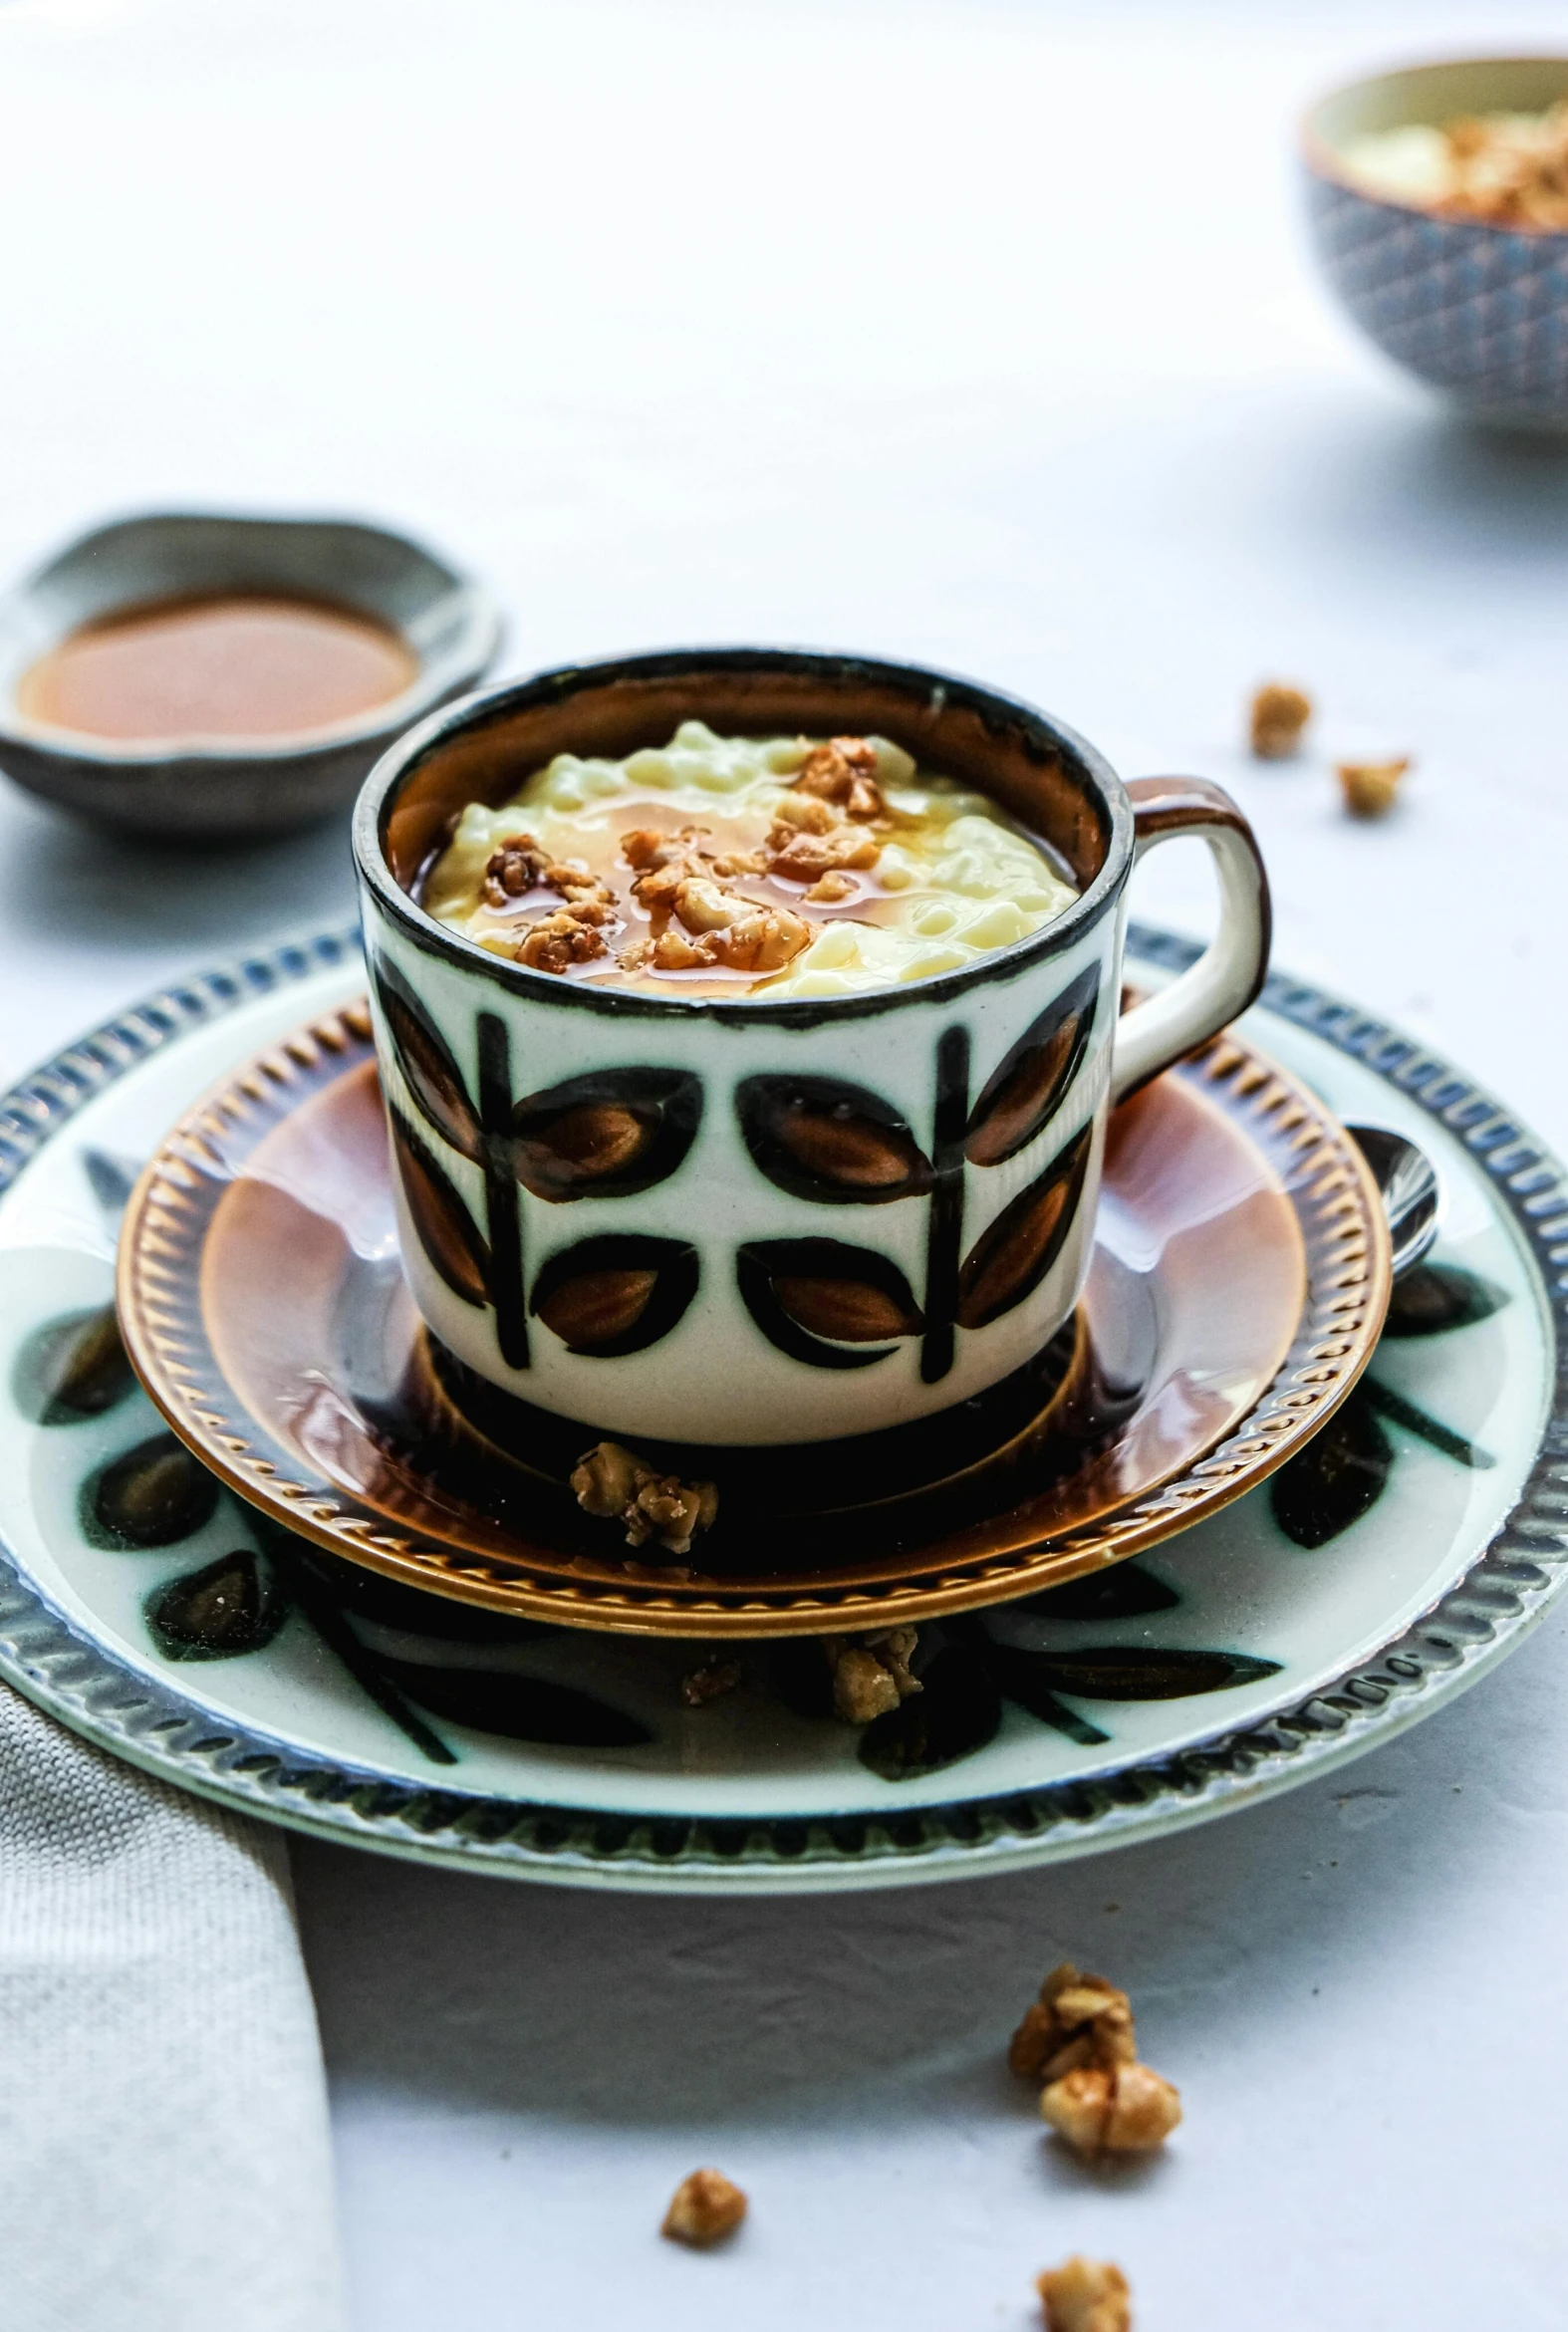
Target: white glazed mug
<point>751,1222</point>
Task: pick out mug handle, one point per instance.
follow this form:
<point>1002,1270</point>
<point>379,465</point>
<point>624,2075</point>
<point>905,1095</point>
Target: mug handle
<point>1231,969</point>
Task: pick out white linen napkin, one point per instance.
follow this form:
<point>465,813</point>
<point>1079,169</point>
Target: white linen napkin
<point>165,2161</point>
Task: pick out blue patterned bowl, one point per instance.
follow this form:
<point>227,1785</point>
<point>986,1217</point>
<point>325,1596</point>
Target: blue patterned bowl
<point>1478,311</point>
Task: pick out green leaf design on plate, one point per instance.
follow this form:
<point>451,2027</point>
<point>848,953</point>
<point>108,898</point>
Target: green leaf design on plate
<point>72,1368</point>
<point>1124,1592</point>
<point>319,1605</point>
<point>955,1712</point>
<point>1143,1671</point>
<point>1437,1297</point>
<point>221,1612</point>
<point>1400,1411</point>
<point>153,1495</point>
<point>797,1672</point>
<point>1020,1676</point>
<point>524,1709</point>
<point>1336,1478</point>
<point>390,1603</point>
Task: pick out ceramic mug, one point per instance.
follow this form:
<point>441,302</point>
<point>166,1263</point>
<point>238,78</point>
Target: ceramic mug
<point>748,1222</point>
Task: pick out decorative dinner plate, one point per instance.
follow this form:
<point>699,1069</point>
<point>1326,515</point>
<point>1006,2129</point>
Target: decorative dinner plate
<point>1389,1561</point>
<point>1239,1280</point>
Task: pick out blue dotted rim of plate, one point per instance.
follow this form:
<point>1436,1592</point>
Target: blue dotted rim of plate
<point>1502,1595</point>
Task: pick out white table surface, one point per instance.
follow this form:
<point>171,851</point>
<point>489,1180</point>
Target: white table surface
<point>983,335</point>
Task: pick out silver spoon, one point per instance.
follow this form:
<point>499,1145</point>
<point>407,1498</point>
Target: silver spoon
<point>1408,1183</point>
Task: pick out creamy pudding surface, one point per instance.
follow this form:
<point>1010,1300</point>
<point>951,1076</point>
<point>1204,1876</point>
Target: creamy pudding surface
<point>744,866</point>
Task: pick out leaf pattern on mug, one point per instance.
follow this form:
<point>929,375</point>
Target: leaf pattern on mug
<point>829,1141</point>
<point>428,1069</point>
<point>444,1227</point>
<point>605,1135</point>
<point>1025,1091</point>
<point>813,1297</point>
<point>616,1294</point>
<point>1013,1254</point>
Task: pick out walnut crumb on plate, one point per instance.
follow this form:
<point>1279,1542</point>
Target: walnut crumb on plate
<point>616,1483</point>
<point>714,1681</point>
<point>705,2209</point>
<point>1279,714</point>
<point>1085,2295</point>
<point>871,1674</point>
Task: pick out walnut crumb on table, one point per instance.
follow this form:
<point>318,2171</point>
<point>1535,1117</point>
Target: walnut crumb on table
<point>1078,2040</point>
<point>1371,788</point>
<point>705,2209</point>
<point>1279,714</point>
<point>616,1484</point>
<point>1085,2295</point>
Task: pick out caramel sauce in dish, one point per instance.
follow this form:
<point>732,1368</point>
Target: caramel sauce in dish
<point>744,866</point>
<point>241,665</point>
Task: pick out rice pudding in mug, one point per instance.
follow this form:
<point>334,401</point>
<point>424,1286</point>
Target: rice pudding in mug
<point>748,1024</point>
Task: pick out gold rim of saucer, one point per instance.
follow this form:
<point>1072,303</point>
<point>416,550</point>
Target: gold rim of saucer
<point>160,1298</point>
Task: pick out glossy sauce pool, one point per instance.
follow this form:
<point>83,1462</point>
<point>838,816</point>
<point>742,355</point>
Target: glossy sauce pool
<point>223,667</point>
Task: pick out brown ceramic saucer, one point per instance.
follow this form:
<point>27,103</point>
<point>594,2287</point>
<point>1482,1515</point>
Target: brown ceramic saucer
<point>1238,1286</point>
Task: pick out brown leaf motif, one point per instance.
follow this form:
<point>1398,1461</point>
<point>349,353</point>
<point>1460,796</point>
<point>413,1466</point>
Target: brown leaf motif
<point>1031,1082</point>
<point>1013,1254</point>
<point>607,1135</point>
<point>829,1141</point>
<point>617,1294</point>
<point>442,1223</point>
<point>434,1081</point>
<point>813,1298</point>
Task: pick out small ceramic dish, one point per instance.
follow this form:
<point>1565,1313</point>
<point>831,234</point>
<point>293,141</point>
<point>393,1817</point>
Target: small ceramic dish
<point>1238,1283</point>
<point>215,789</point>
<point>1475,310</point>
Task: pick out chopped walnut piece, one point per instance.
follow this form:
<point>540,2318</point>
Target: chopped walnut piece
<point>871,1674</point>
<point>1085,2295</point>
<point>671,1512</point>
<point>763,939</point>
<point>833,886</point>
<point>556,941</point>
<point>1279,714</point>
<point>1078,2039</point>
<point>570,934</point>
<point>705,905</point>
<point>705,2209</point>
<point>751,938</point>
<point>1121,2108</point>
<point>1077,2020</point>
<point>613,1482</point>
<point>674,951</point>
<point>1371,787</point>
<point>801,856</point>
<point>844,770</point>
<point>711,1681</point>
<point>662,862</point>
<point>608,1478</point>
